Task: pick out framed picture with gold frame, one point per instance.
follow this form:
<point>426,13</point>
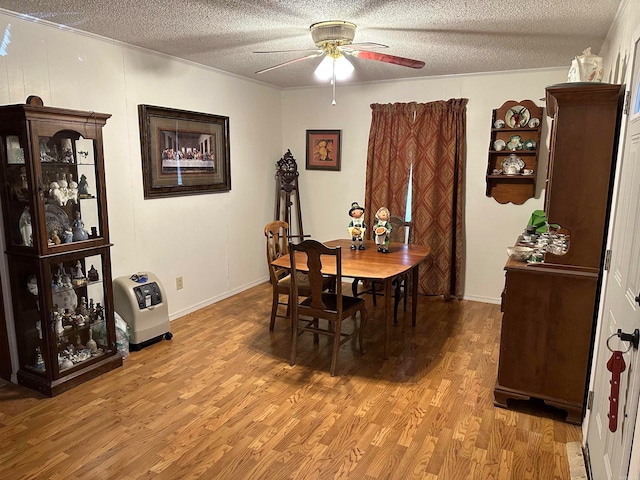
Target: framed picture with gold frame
<point>183,152</point>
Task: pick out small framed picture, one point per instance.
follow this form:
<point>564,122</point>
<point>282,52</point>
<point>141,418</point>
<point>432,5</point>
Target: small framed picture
<point>323,149</point>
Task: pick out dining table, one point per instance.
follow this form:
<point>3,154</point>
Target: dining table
<point>370,264</point>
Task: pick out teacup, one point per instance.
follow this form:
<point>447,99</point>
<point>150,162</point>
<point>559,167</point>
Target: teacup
<point>527,171</point>
<point>511,169</point>
<point>498,123</point>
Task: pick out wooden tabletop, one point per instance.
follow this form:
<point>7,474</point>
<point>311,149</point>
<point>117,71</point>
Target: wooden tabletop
<point>367,263</point>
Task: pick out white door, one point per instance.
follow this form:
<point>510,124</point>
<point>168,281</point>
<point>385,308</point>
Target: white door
<point>609,452</point>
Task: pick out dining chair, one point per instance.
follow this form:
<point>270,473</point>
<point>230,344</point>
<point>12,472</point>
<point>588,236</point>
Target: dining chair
<point>277,235</point>
<point>401,232</point>
<point>330,306</point>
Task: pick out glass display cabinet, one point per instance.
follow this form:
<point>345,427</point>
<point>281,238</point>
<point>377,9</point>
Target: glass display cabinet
<point>57,244</point>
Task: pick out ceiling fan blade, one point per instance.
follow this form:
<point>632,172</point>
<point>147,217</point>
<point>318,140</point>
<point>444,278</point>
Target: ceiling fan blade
<point>294,50</point>
<point>363,45</point>
<point>383,57</point>
<point>313,55</point>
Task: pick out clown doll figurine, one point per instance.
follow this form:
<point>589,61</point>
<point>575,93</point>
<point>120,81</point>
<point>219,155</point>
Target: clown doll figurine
<point>357,226</point>
<point>382,229</point>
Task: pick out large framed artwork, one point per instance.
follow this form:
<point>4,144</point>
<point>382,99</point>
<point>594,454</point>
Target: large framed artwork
<point>323,149</point>
<point>183,153</point>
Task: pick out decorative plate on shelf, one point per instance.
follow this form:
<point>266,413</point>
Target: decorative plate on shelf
<point>517,116</point>
<point>56,218</point>
<point>529,144</point>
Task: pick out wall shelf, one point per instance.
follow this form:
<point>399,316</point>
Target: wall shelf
<point>513,188</point>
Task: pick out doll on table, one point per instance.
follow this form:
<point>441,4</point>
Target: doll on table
<point>382,229</point>
<point>357,226</point>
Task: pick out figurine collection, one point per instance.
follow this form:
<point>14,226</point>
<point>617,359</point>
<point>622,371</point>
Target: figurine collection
<point>61,190</point>
<point>74,327</point>
<point>381,229</point>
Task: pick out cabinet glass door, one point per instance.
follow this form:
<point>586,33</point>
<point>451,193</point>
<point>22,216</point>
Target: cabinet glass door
<point>70,189</point>
<point>62,319</point>
<point>77,317</point>
<point>18,189</point>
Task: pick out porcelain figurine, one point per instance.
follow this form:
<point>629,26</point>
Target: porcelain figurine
<point>44,152</point>
<point>382,229</point>
<point>65,280</point>
<point>92,274</point>
<point>23,178</point>
<point>55,238</point>
<point>67,151</point>
<point>26,231</point>
<point>57,319</point>
<point>72,190</point>
<point>39,360</point>
<point>67,236</point>
<point>77,275</point>
<point>83,187</point>
<point>357,227</point>
<point>32,285</point>
<point>79,233</point>
<point>56,194</point>
<point>91,343</point>
<point>66,363</point>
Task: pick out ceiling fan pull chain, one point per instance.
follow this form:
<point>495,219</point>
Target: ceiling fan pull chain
<point>333,81</point>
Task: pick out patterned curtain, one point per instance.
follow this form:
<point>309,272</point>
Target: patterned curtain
<point>389,159</point>
<point>431,138</point>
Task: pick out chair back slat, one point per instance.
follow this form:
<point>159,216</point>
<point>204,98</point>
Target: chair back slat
<point>315,251</point>
<point>329,306</point>
<point>401,230</point>
<point>277,246</point>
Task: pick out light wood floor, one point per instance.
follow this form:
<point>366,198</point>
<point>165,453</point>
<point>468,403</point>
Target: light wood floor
<point>220,401</point>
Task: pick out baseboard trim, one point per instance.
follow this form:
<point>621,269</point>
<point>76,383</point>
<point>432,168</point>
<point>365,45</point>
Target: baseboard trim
<point>212,300</point>
<point>476,298</point>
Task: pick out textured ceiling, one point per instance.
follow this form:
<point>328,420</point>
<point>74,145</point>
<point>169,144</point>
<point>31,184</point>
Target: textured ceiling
<point>450,36</point>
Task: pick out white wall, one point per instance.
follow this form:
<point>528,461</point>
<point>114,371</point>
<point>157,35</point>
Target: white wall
<point>616,50</point>
<point>213,241</point>
<point>489,226</point>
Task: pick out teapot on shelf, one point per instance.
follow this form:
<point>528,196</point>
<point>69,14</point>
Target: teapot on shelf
<point>586,68</point>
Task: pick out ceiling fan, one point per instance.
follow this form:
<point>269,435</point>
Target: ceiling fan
<point>334,40</point>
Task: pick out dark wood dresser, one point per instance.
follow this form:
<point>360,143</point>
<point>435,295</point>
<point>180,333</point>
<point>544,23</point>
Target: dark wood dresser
<point>549,309</point>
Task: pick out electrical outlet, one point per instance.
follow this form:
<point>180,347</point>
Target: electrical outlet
<point>179,284</point>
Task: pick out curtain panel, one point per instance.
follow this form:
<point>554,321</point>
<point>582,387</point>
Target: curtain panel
<point>430,138</point>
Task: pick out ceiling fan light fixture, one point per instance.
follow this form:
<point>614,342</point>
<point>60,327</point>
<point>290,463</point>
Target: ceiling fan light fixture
<point>343,68</point>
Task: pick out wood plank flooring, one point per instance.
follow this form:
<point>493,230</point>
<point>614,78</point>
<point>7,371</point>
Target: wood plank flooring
<point>220,401</point>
